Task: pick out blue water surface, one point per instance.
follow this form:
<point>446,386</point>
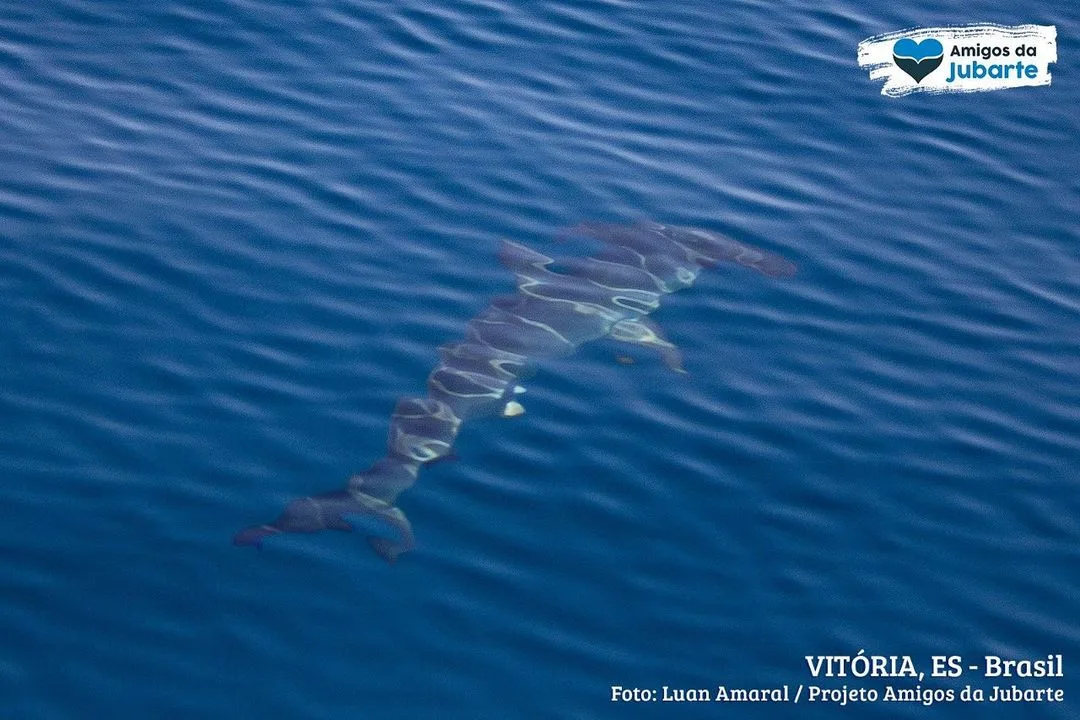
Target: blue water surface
<point>232,233</point>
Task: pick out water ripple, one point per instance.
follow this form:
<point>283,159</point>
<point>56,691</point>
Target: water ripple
<point>232,234</point>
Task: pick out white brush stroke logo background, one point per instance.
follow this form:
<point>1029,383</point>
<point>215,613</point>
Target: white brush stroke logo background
<point>876,55</point>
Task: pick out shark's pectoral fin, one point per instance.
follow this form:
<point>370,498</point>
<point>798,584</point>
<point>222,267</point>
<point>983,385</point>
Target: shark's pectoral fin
<point>642,331</point>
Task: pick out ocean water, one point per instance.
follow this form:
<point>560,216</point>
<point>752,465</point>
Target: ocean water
<point>233,233</point>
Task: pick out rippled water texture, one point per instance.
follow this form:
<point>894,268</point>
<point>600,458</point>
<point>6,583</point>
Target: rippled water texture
<point>233,233</point>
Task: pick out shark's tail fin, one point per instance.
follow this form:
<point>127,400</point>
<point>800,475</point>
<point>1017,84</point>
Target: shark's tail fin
<point>345,510</point>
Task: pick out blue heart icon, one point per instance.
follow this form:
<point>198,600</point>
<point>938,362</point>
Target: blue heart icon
<point>918,59</point>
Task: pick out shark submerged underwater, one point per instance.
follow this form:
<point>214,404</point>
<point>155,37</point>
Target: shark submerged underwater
<point>559,304</point>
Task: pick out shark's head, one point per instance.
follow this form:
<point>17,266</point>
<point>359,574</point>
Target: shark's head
<point>703,247</point>
<point>708,248</point>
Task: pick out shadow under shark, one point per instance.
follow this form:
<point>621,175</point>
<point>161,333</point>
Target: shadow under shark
<point>559,304</point>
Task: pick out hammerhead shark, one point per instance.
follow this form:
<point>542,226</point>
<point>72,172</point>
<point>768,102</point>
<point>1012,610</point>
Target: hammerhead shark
<point>559,304</point>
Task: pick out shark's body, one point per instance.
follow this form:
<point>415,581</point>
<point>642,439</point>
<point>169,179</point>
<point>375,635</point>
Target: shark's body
<point>607,295</point>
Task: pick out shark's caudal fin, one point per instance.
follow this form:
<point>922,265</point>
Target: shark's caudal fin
<point>340,510</point>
